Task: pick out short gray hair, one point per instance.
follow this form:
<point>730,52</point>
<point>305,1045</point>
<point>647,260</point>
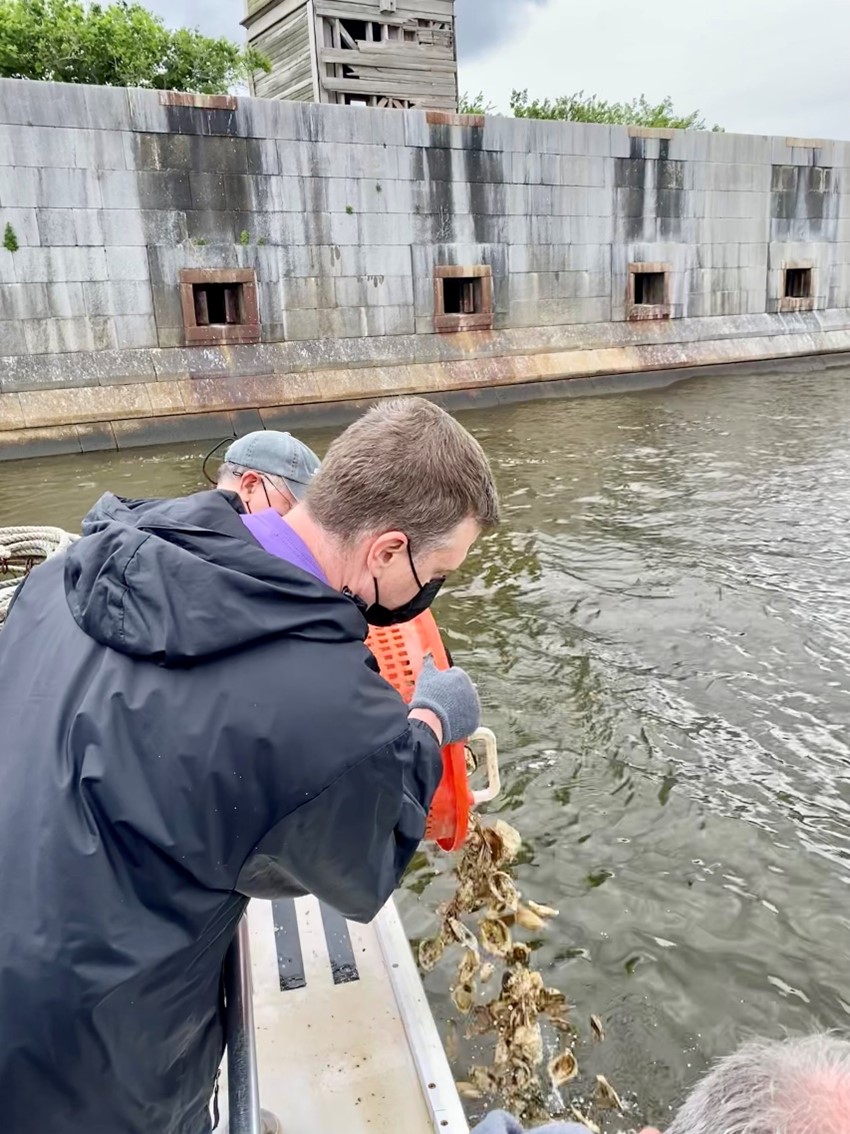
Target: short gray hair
<point>795,1086</point>
<point>229,471</point>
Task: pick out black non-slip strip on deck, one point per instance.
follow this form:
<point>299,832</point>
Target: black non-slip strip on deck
<point>340,949</point>
<point>290,962</point>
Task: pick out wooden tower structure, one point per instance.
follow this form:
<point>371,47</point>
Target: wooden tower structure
<point>391,53</point>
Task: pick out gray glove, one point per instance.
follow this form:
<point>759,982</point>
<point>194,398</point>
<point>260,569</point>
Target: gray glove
<point>451,696</point>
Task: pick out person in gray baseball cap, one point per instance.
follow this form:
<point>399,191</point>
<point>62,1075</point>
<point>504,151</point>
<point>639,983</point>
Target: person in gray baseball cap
<point>268,469</point>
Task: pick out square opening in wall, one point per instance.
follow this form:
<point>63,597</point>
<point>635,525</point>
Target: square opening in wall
<point>649,287</point>
<point>798,283</point>
<point>219,306</point>
<point>463,298</point>
<point>648,294</point>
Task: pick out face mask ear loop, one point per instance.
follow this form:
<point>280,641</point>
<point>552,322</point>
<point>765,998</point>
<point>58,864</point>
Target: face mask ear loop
<point>211,454</point>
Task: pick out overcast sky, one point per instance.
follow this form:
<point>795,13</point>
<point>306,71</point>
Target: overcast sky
<point>755,66</point>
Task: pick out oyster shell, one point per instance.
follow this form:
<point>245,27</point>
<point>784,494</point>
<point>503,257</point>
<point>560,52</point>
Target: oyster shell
<point>606,1097</point>
<point>463,998</point>
<point>528,919</point>
<point>495,937</point>
<point>545,912</point>
<point>563,1068</point>
<point>430,952</point>
<point>468,967</point>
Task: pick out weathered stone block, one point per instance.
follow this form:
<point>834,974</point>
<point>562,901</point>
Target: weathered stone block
<point>207,191</point>
<point>168,429</point>
<point>37,265</point>
<point>66,300</point>
<point>374,290</point>
<point>302,323</point>
<point>36,443</point>
<point>38,146</point>
<point>24,301</point>
<point>127,264</point>
<point>122,297</point>
<point>58,336</point>
<point>124,226</point>
<point>133,332</point>
<point>163,226</point>
<point>119,189</point>
<point>12,339</point>
<point>63,105</point>
<point>166,189</point>
<point>24,223</point>
<point>56,226</point>
<point>99,149</point>
<point>310,291</point>
<point>96,437</point>
<point>263,156</point>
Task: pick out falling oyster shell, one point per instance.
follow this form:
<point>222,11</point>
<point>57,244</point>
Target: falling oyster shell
<point>528,919</point>
<point>495,937</point>
<point>596,1029</point>
<point>507,838</point>
<point>462,935</point>
<point>468,967</point>
<point>563,1068</point>
<point>483,1079</point>
<point>584,1120</point>
<point>468,1090</point>
<point>545,912</point>
<point>552,1000</point>
<point>503,890</point>
<point>430,952</point>
<point>471,762</point>
<point>463,998</point>
<point>522,1075</point>
<point>520,954</point>
<point>487,971</point>
<point>528,1043</point>
<point>481,1021</point>
<point>606,1097</point>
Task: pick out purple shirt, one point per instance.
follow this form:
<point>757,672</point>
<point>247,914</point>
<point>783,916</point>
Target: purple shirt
<point>275,535</point>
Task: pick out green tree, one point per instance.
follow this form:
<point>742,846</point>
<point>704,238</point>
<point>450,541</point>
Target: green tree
<point>475,104</point>
<point>119,45</point>
<point>580,107</point>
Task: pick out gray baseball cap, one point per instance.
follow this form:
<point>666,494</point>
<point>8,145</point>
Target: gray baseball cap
<point>276,454</point>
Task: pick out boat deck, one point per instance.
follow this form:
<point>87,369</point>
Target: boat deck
<point>345,1037</point>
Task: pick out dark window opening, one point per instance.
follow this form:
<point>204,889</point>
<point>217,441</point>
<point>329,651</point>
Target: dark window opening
<point>649,288</point>
<point>798,283</point>
<point>356,29</point>
<point>462,295</point>
<point>218,304</point>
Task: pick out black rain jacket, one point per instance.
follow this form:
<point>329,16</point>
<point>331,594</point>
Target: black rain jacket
<point>186,721</point>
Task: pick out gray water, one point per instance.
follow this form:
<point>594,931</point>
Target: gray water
<point>661,634</point>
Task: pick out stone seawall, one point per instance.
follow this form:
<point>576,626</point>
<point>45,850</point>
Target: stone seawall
<point>188,265</point>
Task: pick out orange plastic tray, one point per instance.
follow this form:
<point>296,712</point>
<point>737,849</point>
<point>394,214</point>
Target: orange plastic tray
<point>400,652</point>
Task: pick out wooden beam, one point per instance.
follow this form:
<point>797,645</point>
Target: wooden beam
<point>397,61</point>
<point>400,89</point>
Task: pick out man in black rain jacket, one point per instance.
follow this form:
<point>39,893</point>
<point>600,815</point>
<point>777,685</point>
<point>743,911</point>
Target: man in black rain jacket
<point>188,721</point>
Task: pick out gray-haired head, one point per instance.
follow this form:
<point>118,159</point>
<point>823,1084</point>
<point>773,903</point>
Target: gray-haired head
<point>794,1086</point>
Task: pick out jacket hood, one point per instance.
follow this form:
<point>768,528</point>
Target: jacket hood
<point>177,581</point>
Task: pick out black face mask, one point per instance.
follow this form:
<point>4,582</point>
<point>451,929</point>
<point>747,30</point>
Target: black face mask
<point>378,615</point>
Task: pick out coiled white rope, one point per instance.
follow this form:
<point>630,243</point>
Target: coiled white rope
<point>21,548</point>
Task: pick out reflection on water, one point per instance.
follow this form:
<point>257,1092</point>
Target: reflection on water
<point>661,633</point>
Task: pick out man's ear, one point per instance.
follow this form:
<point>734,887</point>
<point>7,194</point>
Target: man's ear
<point>384,549</point>
<point>249,480</point>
